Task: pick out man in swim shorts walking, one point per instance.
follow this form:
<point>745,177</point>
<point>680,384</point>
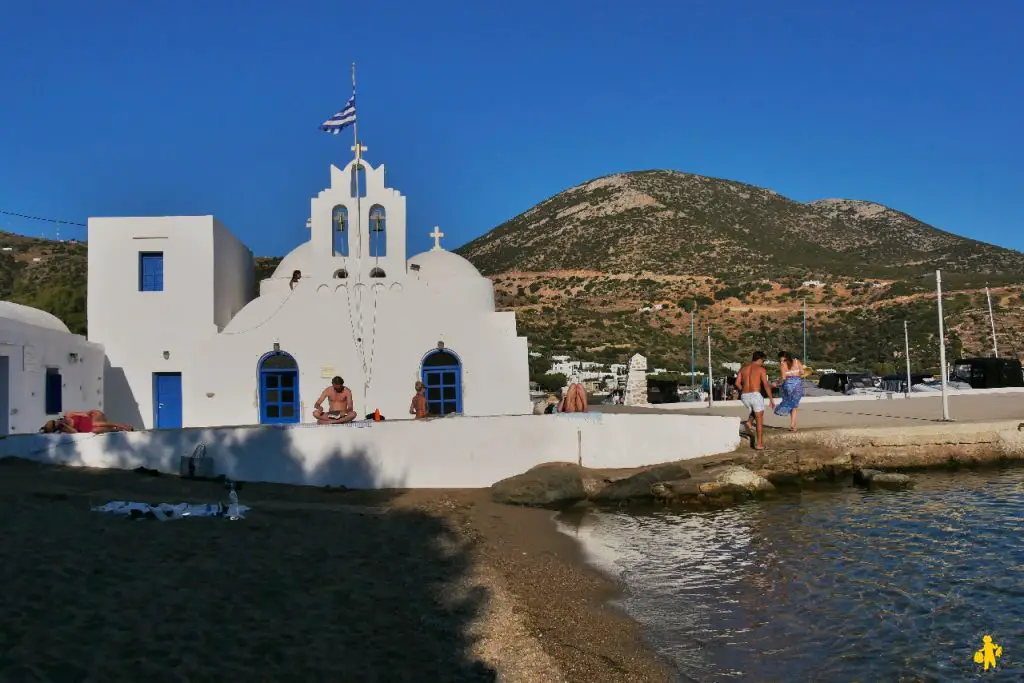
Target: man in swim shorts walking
<point>751,378</point>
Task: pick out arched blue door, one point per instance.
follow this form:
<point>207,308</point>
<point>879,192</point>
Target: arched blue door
<point>279,388</point>
<point>442,376</point>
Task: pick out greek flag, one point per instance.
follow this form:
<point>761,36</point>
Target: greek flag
<point>342,119</point>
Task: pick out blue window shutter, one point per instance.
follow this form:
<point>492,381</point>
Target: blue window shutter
<point>151,271</point>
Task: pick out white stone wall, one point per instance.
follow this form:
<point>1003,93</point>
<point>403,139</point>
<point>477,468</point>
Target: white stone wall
<point>458,452</point>
<point>26,351</point>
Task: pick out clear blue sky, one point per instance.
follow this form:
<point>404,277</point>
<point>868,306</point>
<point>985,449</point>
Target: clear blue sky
<point>481,109</point>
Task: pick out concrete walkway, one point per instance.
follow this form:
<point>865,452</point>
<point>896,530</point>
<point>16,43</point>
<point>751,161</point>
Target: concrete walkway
<point>832,414</point>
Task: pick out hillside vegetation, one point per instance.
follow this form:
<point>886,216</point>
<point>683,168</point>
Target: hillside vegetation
<point>619,265</point>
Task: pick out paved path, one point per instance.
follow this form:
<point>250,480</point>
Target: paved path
<point>876,413</point>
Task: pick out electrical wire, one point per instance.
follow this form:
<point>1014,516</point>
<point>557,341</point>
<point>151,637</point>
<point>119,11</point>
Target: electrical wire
<point>40,218</point>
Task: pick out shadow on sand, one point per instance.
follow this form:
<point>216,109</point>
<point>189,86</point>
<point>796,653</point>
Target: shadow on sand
<point>315,584</point>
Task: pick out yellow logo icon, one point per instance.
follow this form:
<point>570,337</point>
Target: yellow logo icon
<point>988,653</point>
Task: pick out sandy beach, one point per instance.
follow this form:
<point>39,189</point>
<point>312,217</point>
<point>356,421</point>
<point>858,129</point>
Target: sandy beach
<point>315,584</point>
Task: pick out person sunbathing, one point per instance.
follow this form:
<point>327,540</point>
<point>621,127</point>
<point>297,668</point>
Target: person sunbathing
<point>84,422</point>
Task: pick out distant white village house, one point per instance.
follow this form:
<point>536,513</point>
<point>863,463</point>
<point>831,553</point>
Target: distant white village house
<point>44,369</point>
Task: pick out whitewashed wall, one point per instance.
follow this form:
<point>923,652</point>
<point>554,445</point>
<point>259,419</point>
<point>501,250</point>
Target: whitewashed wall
<point>29,350</point>
<point>374,332</point>
<point>136,328</point>
<point>456,452</point>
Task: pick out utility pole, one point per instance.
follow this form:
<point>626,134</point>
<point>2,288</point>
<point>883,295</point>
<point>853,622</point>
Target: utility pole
<point>992,321</point>
<point>804,357</point>
<point>693,349</point>
<point>711,387</point>
<point>942,348</point>
<point>906,344</point>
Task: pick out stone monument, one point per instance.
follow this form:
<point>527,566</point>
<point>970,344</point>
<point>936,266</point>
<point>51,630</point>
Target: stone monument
<point>636,382</point>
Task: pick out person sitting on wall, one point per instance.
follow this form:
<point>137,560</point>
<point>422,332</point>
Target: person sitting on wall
<point>339,399</point>
<point>418,407</point>
<point>575,398</point>
<point>296,276</point>
<point>87,422</point>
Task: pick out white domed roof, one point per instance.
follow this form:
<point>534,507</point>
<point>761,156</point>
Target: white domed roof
<point>439,265</point>
<point>297,259</point>
<point>31,316</point>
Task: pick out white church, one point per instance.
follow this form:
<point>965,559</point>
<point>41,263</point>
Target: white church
<point>189,344</point>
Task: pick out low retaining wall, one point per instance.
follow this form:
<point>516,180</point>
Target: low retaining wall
<point>460,452</point>
<point>934,445</point>
<point>842,398</point>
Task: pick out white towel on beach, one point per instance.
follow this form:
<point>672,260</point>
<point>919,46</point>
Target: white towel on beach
<point>166,511</point>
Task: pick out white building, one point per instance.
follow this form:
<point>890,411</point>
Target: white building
<point>44,369</point>
<point>172,301</point>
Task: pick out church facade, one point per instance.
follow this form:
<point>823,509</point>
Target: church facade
<point>188,344</point>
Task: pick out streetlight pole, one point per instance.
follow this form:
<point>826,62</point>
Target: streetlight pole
<point>992,321</point>
<point>804,357</point>
<point>711,386</point>
<point>693,349</point>
<point>942,347</point>
<point>906,344</point>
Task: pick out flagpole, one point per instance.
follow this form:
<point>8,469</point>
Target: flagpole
<point>991,319</point>
<point>356,168</point>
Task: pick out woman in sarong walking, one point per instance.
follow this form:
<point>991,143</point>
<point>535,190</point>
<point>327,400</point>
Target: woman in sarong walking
<point>792,388</point>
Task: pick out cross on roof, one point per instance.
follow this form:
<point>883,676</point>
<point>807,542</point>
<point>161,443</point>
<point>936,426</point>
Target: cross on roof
<point>358,149</point>
<point>437,235</point>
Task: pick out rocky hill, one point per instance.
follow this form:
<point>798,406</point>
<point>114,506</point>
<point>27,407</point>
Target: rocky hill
<point>675,223</point>
<point>615,266</point>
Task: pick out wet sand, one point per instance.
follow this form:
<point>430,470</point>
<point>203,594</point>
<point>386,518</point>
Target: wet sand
<point>314,585</point>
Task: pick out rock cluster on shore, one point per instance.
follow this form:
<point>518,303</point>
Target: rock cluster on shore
<point>715,481</point>
<point>869,457</point>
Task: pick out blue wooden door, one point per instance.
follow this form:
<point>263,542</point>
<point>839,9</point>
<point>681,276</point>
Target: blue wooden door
<point>444,389</point>
<point>167,400</point>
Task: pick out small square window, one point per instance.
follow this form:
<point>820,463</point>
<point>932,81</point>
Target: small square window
<point>151,271</point>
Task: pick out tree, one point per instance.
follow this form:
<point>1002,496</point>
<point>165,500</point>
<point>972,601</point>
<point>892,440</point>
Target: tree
<point>552,381</point>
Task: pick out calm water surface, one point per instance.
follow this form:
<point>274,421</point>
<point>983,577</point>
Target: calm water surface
<point>844,585</point>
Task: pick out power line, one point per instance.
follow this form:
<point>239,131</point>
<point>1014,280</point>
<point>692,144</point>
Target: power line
<point>39,218</point>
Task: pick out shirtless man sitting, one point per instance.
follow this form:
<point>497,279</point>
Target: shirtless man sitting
<point>751,378</point>
<point>339,400</point>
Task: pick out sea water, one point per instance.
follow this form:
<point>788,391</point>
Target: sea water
<point>837,585</point>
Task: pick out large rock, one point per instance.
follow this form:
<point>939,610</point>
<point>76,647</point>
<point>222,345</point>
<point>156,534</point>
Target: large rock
<point>882,480</point>
<point>638,486</point>
<point>714,487</point>
<point>549,485</point>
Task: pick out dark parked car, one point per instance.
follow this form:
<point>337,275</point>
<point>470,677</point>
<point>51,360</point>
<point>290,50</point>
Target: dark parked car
<point>989,373</point>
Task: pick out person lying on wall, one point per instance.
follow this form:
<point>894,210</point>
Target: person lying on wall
<point>87,422</point>
<point>339,400</point>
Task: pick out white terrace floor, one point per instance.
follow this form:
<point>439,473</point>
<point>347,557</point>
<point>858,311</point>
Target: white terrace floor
<point>832,413</point>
